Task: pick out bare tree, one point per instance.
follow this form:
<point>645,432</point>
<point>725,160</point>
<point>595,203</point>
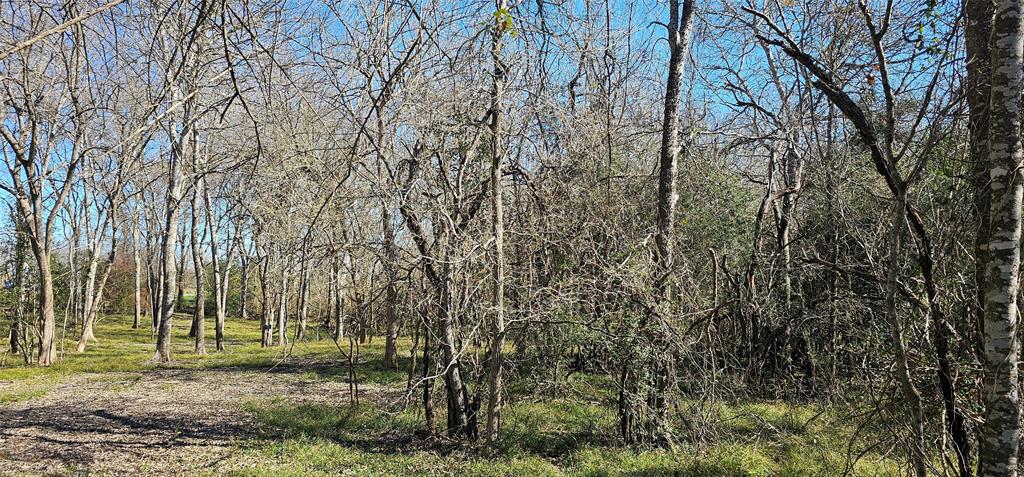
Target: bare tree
<point>45,105</point>
<point>1000,434</point>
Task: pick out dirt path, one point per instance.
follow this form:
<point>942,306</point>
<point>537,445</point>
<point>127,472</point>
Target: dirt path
<point>161,422</point>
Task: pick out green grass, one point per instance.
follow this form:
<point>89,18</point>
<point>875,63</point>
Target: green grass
<point>303,456</point>
<point>573,434</point>
<point>26,389</point>
<point>349,423</point>
<point>123,349</point>
<point>555,437</point>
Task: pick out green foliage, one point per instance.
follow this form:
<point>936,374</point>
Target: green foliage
<point>716,211</point>
<point>503,21</point>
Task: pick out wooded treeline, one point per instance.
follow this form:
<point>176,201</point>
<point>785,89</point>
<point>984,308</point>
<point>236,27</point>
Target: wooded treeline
<point>701,200</point>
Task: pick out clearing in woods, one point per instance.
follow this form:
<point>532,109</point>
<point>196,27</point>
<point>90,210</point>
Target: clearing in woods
<point>288,411</point>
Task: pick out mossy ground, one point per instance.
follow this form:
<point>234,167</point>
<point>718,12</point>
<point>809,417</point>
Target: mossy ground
<point>572,435</point>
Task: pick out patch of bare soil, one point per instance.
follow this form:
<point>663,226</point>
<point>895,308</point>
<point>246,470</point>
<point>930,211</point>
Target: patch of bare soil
<point>161,422</point>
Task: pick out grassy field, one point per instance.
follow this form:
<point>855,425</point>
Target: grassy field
<point>290,414</point>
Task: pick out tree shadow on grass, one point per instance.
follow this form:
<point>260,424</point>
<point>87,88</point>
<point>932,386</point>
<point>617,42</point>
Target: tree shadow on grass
<point>77,435</point>
<point>369,371</point>
<point>369,428</point>
<point>364,427</point>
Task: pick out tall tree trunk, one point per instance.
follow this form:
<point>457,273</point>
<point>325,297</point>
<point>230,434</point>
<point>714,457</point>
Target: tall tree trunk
<point>679,28</point>
<point>300,332</point>
<point>502,24</point>
<point>359,319</point>
<point>790,168</point>
<point>266,310</point>
<point>979,77</point>
<point>75,282</point>
<point>428,384</point>
<point>137,261</point>
<point>339,302</point>
<point>47,320</point>
<point>222,305</point>
<point>978,31</point>
<point>459,409</point>
<point>21,290</point>
<point>154,275</point>
<point>910,393</point>
<point>168,247</point>
<point>415,340</point>
<point>94,301</point>
<point>391,324</point>
<point>180,297</point>
<point>221,270</point>
<point>86,297</point>
<point>329,312</point>
<point>282,311</point>
<point>1000,432</point>
<point>662,369</point>
<point>220,301</point>
<point>199,310</point>
<point>84,290</point>
<point>97,281</point>
<point>243,292</point>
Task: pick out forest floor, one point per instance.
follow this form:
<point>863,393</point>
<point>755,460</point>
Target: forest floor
<point>289,411</point>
